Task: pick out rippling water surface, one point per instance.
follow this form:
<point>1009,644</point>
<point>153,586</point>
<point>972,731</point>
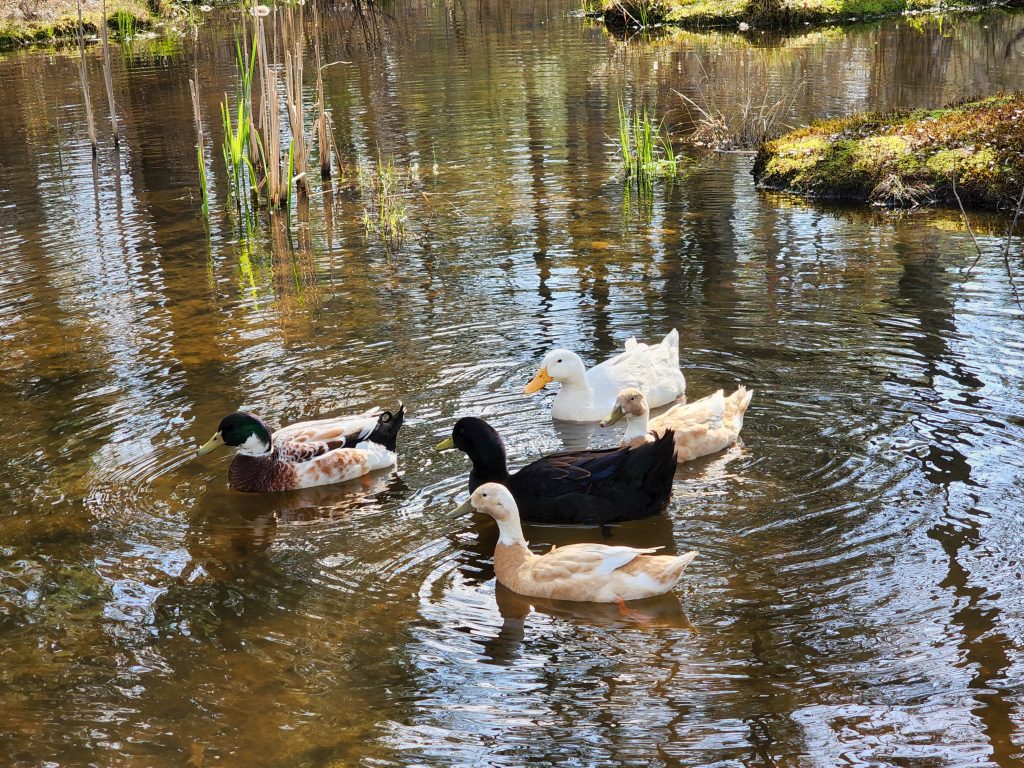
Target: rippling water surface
<point>858,596</point>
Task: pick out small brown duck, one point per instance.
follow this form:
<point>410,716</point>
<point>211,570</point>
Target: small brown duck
<point>306,454</point>
<point>583,572</point>
<point>699,428</point>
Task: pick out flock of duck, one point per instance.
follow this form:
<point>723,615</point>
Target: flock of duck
<point>573,487</point>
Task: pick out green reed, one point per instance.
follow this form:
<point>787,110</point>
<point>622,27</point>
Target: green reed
<point>385,215</point>
<point>200,148</point>
<point>645,149</point>
<point>237,147</point>
<point>126,25</point>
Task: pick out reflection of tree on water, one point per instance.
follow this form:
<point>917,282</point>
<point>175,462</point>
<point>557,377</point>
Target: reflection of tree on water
<point>924,293</point>
<point>256,617</point>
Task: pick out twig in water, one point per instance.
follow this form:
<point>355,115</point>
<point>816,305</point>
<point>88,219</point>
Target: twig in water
<point>108,79</point>
<point>967,223</point>
<point>84,73</point>
<point>1006,248</point>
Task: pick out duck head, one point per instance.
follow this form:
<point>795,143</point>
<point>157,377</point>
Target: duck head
<point>562,366</point>
<point>496,500</point>
<point>478,440</point>
<point>631,403</point>
<point>243,430</point>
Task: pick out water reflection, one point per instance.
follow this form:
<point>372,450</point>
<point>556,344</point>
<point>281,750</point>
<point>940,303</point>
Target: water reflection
<point>857,595</point>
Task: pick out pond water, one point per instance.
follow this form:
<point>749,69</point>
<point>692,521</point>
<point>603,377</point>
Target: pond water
<point>858,598</point>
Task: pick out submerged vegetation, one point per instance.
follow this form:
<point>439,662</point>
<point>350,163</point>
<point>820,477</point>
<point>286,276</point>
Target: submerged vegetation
<point>747,14</point>
<point>906,159</point>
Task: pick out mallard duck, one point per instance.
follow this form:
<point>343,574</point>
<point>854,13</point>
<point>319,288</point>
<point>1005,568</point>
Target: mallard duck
<point>308,453</point>
<point>588,395</point>
<point>700,428</point>
<point>583,572</point>
<point>587,487</point>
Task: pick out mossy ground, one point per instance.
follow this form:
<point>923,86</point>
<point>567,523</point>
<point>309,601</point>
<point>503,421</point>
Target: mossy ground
<point>906,159</point>
<point>764,14</point>
<point>24,22</point>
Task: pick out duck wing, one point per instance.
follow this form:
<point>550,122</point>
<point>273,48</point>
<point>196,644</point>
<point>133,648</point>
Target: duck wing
<point>652,368</point>
<point>595,487</point>
<point>708,411</point>
<point>308,439</point>
<point>565,472</point>
<point>340,464</point>
<point>584,561</point>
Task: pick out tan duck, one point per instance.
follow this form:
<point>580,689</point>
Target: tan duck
<point>700,428</point>
<point>583,572</point>
<point>306,454</point>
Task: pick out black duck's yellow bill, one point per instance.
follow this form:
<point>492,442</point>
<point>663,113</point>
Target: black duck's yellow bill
<point>445,445</point>
<point>541,380</point>
<point>212,444</point>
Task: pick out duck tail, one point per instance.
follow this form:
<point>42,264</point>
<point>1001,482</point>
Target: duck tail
<point>671,346</point>
<point>386,431</point>
<point>736,405</point>
<point>674,570</point>
<point>661,469</point>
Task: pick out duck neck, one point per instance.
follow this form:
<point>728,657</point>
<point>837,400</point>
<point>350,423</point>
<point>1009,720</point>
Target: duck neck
<point>636,427</point>
<point>489,465</point>
<point>511,533</point>
<point>256,447</point>
<point>574,391</point>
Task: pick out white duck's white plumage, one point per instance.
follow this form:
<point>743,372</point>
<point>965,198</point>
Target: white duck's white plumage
<point>584,572</point>
<point>587,395</point>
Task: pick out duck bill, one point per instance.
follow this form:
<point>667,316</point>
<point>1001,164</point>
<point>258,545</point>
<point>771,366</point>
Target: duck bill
<point>612,417</point>
<point>541,380</point>
<point>445,445</point>
<point>212,444</point>
<point>464,508</point>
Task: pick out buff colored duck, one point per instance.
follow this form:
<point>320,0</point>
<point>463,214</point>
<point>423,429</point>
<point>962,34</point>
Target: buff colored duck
<point>582,572</point>
<point>587,395</point>
<point>306,454</point>
<point>700,428</point>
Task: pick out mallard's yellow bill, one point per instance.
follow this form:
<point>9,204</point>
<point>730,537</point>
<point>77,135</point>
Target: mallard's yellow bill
<point>212,444</point>
<point>445,445</point>
<point>463,509</point>
<point>541,380</point>
<point>612,417</point>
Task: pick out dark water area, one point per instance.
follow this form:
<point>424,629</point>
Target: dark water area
<point>858,597</point>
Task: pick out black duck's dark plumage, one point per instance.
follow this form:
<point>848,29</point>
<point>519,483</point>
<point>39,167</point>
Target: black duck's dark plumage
<point>574,487</point>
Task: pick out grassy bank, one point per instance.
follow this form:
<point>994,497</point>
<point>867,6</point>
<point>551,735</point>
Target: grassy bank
<point>24,22</point>
<point>906,159</point>
<point>767,14</point>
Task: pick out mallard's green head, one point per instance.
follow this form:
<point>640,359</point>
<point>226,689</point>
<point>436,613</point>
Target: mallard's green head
<point>243,430</point>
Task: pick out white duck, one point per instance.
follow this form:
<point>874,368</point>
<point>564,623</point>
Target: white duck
<point>588,395</point>
<point>584,572</point>
<point>699,428</point>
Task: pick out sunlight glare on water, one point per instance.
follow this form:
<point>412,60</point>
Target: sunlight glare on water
<point>857,599</point>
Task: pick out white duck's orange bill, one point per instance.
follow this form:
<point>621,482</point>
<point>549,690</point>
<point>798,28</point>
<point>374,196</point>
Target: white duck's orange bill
<point>541,380</point>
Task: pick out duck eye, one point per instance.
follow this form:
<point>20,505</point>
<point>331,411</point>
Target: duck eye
<point>559,360</point>
<point>484,495</point>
